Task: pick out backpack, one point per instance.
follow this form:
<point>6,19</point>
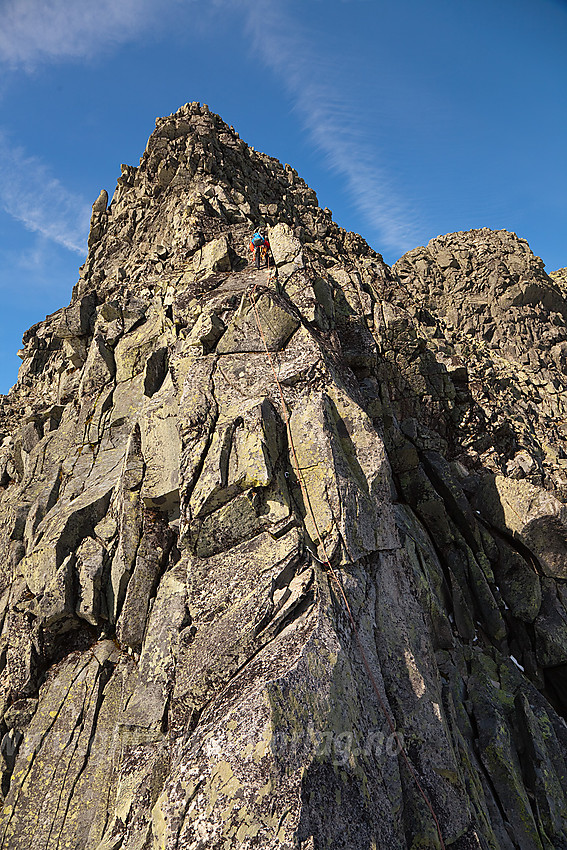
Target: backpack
<point>257,240</point>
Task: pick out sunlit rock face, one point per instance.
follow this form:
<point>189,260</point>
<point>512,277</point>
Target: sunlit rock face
<point>179,670</point>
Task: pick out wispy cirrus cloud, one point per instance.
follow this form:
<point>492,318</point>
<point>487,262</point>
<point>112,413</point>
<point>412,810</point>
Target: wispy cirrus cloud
<point>35,31</point>
<point>334,120</point>
<point>32,195</point>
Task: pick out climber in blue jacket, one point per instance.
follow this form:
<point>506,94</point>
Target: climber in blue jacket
<point>257,243</point>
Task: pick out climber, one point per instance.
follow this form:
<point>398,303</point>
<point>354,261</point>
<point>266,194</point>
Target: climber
<point>266,252</point>
<point>256,245</point>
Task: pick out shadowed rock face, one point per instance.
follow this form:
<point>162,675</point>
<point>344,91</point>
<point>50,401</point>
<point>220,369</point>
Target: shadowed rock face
<point>178,667</point>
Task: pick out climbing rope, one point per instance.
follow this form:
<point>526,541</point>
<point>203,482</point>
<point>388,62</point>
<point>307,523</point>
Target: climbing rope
<point>327,564</point>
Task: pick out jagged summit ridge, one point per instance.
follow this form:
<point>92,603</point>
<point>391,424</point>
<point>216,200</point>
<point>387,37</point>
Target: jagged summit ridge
<point>194,167</point>
<point>185,212</point>
<point>489,311</point>
<point>178,669</point>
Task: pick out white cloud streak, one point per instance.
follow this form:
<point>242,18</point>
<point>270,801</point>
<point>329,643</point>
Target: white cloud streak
<point>30,194</point>
<point>323,96</point>
<point>38,31</point>
<point>34,31</point>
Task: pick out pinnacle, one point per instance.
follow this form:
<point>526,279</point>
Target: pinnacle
<point>199,453</point>
<point>196,181</point>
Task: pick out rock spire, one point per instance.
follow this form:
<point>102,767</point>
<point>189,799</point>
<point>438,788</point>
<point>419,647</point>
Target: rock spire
<point>178,670</point>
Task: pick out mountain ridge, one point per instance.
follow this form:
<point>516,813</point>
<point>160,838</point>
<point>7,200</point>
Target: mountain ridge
<point>178,667</point>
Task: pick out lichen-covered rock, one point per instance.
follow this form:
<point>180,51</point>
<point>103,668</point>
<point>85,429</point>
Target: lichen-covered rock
<point>213,257</point>
<point>536,517</point>
<point>209,472</point>
<point>285,247</point>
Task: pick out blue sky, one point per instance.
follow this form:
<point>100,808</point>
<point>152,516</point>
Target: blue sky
<point>408,118</point>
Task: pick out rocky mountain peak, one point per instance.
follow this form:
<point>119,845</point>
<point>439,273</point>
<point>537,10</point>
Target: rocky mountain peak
<point>196,179</point>
<point>202,463</point>
<point>493,316</point>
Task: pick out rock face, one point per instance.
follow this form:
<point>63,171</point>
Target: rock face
<point>178,666</point>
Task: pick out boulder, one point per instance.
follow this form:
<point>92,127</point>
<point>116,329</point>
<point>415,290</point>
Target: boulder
<point>214,256</point>
<point>533,515</point>
<point>285,247</point>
